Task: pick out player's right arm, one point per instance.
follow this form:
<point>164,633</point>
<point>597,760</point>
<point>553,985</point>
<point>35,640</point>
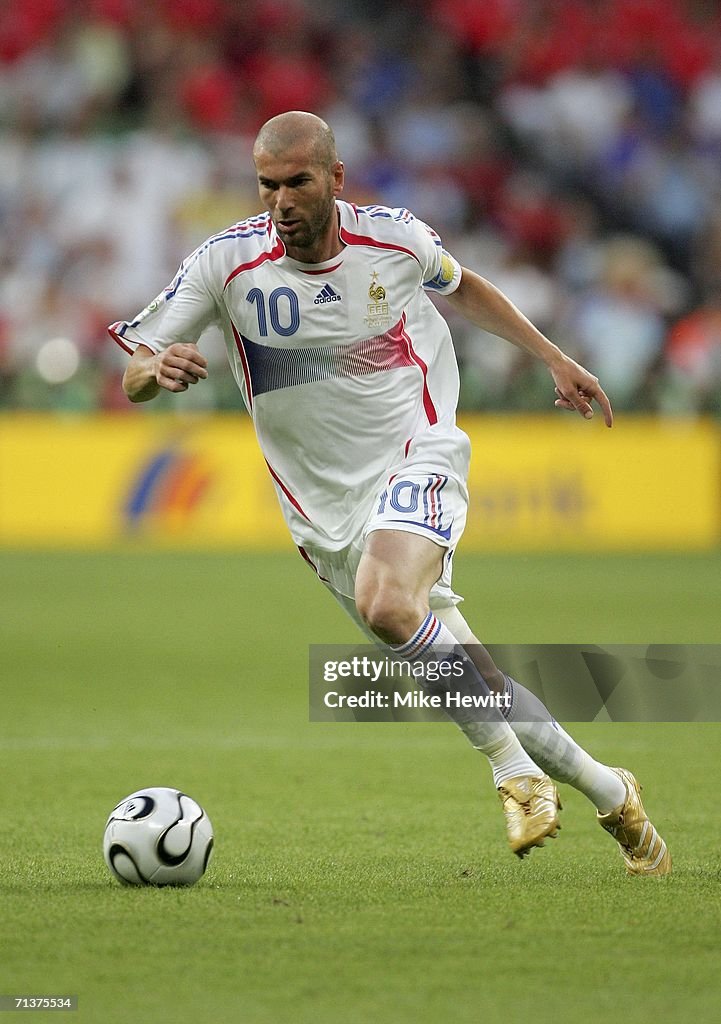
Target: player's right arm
<point>174,369</point>
<point>162,339</point>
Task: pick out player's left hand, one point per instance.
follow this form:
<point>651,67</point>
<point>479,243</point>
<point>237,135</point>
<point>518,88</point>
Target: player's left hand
<point>576,388</point>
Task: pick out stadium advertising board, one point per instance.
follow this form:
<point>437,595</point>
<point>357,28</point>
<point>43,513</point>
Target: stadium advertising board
<point>536,483</point>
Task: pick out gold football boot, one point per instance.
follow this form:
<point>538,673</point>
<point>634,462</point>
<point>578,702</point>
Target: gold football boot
<point>531,807</point>
<point>644,851</point>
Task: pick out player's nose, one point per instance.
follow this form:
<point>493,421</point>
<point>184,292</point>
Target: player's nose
<point>284,199</point>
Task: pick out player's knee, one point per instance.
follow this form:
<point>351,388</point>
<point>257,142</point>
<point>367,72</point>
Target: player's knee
<point>390,613</point>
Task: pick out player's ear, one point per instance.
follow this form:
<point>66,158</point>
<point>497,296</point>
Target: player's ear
<point>338,172</point>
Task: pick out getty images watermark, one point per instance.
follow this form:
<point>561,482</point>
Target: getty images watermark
<point>425,674</point>
<point>577,682</point>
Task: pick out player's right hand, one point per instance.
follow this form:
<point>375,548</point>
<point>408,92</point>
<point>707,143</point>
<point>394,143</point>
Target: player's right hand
<point>179,366</point>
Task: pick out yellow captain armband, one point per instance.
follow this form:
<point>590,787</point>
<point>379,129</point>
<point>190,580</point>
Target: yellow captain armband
<point>445,275</point>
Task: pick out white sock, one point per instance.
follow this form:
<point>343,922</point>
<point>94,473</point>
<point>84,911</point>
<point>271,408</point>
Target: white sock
<point>487,730</point>
<point>557,753</point>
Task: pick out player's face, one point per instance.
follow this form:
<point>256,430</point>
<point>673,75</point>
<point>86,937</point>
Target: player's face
<point>300,197</point>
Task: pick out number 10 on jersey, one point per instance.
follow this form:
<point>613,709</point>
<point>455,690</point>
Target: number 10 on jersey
<point>282,308</point>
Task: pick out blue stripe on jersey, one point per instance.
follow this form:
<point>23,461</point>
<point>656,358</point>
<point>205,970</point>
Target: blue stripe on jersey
<point>399,214</point>
<point>237,234</point>
<point>272,368</point>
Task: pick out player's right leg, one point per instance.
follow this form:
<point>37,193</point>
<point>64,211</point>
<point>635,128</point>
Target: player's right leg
<point>394,578</point>
<point>527,794</point>
<point>384,579</point>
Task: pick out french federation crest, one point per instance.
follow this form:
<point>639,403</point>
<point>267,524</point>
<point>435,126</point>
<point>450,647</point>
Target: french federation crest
<point>378,308</point>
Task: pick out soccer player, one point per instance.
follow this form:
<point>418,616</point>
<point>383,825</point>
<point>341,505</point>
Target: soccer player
<point>348,372</point>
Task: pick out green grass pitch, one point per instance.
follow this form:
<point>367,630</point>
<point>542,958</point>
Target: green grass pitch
<point>361,871</point>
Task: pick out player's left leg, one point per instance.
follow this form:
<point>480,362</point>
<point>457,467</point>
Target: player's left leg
<point>614,791</point>
<point>539,733</point>
<point>392,587</point>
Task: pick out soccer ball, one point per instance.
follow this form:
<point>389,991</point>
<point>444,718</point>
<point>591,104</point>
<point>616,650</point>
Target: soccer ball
<point>158,837</point>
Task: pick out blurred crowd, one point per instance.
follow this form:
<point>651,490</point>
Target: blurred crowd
<point>568,150</point>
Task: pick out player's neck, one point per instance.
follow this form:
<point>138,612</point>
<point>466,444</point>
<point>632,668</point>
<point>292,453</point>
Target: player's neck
<point>327,246</point>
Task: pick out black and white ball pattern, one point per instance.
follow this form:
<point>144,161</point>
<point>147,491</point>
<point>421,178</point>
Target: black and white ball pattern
<point>158,836</point>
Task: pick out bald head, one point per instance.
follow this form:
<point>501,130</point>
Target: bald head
<point>297,130</point>
<point>299,180</point>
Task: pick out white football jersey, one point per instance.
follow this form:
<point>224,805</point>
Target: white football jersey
<point>346,367</point>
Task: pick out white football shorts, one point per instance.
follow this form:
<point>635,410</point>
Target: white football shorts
<point>416,500</point>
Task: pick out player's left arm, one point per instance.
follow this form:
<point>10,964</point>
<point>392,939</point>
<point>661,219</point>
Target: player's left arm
<point>488,308</point>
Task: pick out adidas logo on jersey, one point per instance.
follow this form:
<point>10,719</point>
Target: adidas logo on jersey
<point>326,294</point>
